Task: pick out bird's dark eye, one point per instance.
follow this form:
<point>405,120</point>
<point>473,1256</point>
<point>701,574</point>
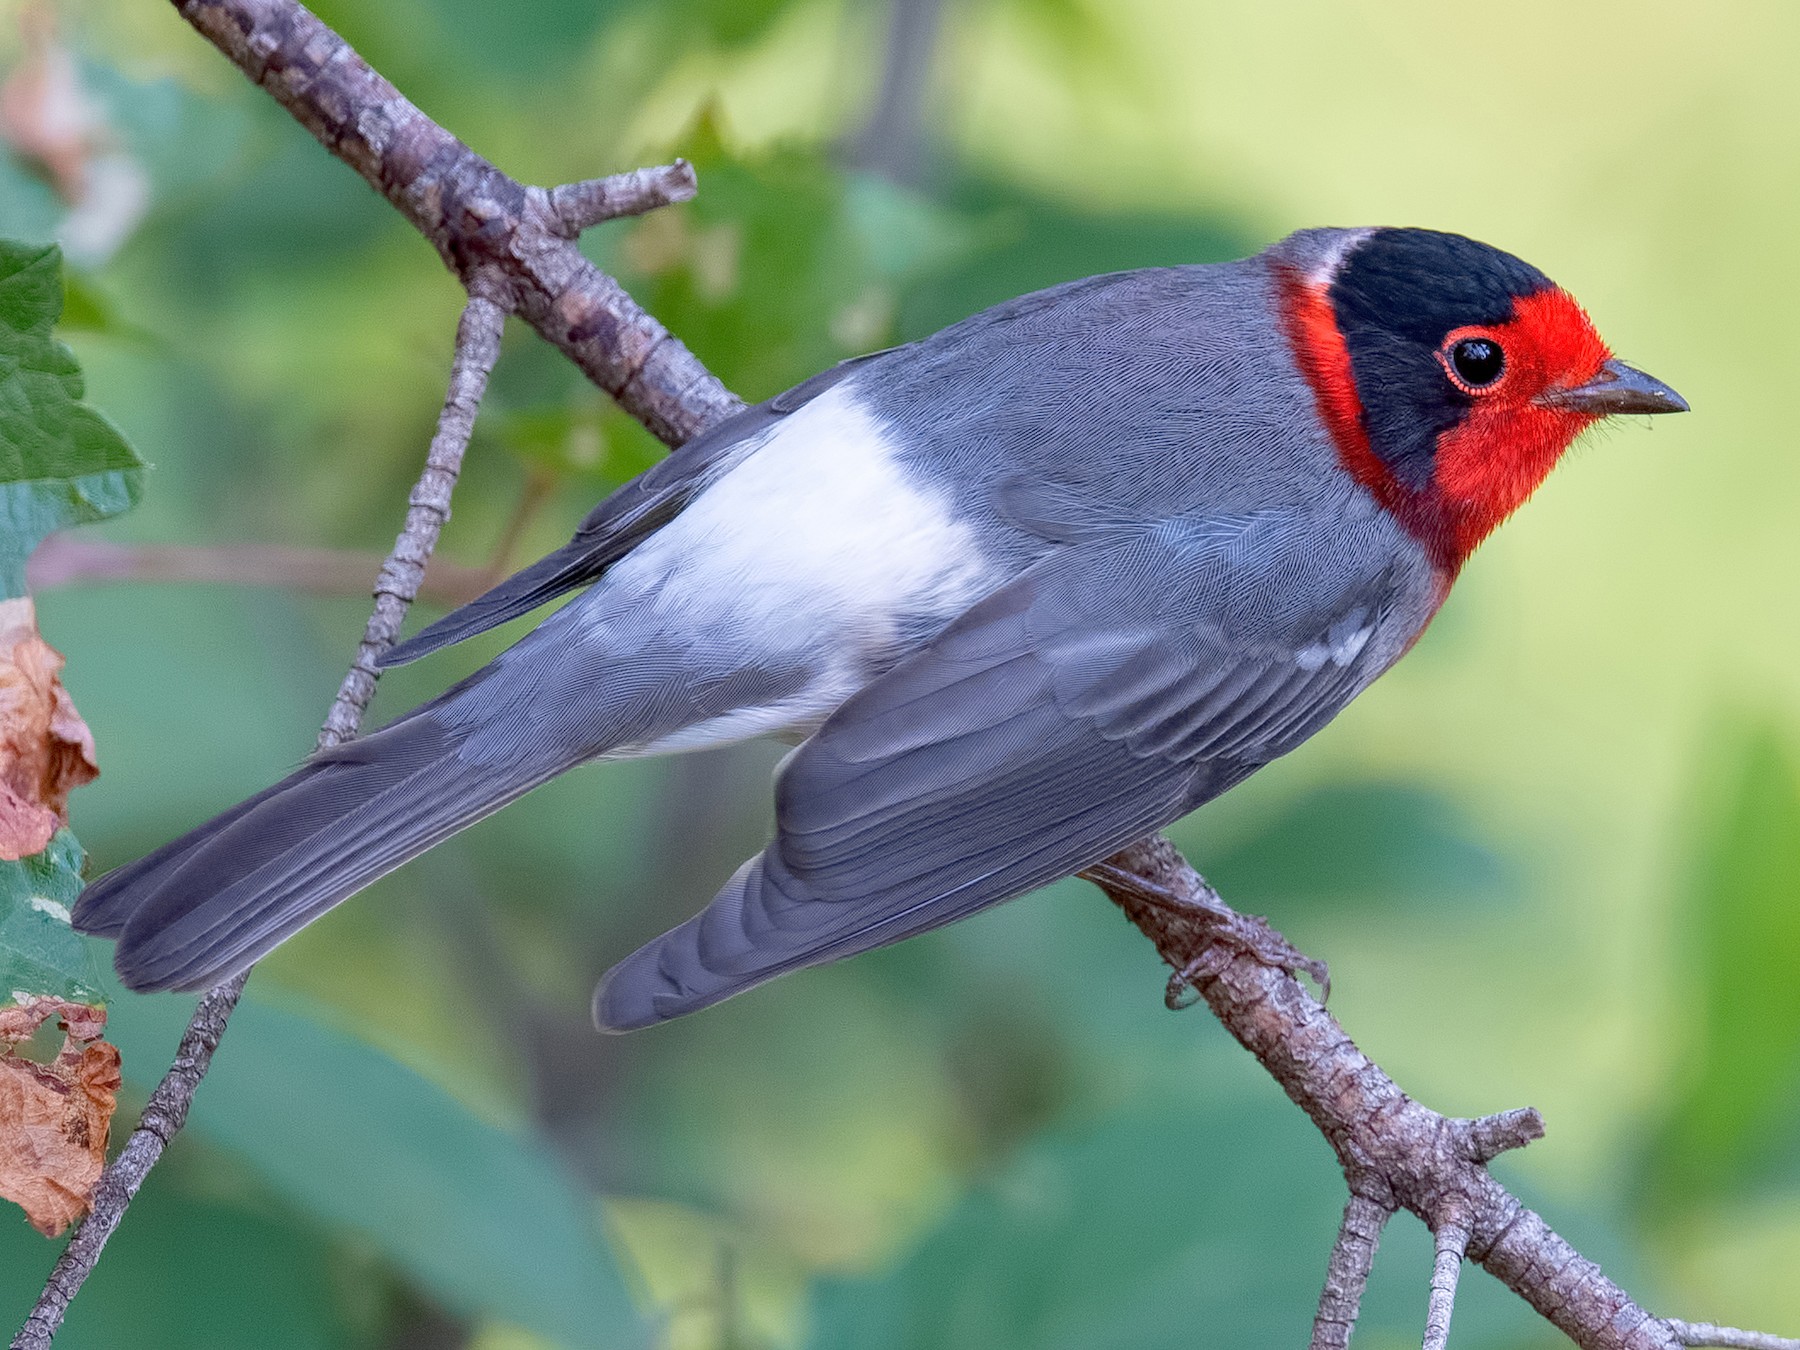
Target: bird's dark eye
<point>1478,362</point>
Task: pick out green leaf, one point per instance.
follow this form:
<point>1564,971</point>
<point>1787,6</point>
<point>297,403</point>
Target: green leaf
<point>1379,844</point>
<point>765,274</point>
<point>483,1218</point>
<point>580,440</point>
<point>194,1272</point>
<point>1017,241</point>
<point>1731,1128</point>
<point>1136,1231</point>
<point>39,952</point>
<point>61,463</point>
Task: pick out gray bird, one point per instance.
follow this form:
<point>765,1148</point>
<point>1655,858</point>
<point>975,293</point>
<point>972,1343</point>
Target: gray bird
<point>1023,591</point>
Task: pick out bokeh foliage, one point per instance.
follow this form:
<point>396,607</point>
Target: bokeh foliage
<point>1551,858</point>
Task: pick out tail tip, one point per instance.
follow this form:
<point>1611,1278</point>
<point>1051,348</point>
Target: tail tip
<point>622,1002</point>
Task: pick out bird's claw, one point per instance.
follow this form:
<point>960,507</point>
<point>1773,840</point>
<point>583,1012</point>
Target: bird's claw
<point>1228,934</point>
<point>1233,934</point>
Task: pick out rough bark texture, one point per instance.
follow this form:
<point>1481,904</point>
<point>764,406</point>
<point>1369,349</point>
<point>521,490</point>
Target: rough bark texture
<point>512,246</point>
<point>1395,1153</point>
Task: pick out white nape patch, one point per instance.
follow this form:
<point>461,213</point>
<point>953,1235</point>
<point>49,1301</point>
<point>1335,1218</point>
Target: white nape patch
<point>45,905</point>
<point>1339,650</point>
<point>1324,271</point>
<point>816,545</point>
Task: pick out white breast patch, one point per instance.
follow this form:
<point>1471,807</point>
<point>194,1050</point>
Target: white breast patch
<point>816,542</point>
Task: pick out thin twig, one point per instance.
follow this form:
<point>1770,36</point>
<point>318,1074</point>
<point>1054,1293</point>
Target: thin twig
<point>64,560</point>
<point>1452,1243</point>
<point>477,348</point>
<point>540,486</point>
<point>1729,1338</point>
<point>1347,1273</point>
<point>1490,1136</point>
<point>578,206</point>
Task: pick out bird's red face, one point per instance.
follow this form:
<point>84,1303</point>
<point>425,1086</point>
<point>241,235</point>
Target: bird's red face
<point>1452,377</point>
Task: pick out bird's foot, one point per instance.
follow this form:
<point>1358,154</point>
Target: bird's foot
<point>1227,934</point>
<point>1231,934</point>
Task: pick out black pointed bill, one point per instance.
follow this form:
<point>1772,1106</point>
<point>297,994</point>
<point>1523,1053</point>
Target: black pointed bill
<point>1618,388</point>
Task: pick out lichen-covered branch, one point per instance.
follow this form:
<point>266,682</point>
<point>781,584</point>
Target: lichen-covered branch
<point>1446,1268</point>
<point>477,349</point>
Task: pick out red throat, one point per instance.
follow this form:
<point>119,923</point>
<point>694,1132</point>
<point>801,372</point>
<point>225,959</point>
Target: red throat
<point>1490,462</point>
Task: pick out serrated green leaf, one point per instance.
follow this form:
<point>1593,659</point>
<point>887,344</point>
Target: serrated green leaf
<point>61,462</point>
<point>39,952</point>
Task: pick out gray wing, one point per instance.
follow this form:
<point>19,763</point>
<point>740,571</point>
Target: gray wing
<point>1102,694</point>
<point>621,522</point>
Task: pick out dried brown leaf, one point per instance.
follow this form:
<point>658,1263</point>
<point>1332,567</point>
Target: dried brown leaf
<point>46,750</point>
<point>45,115</point>
<point>54,1118</point>
<point>56,125</point>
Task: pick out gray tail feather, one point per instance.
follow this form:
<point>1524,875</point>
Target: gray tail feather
<point>763,923</point>
<point>215,901</point>
<point>572,565</point>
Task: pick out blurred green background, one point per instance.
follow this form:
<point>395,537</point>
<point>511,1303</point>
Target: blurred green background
<point>1552,858</point>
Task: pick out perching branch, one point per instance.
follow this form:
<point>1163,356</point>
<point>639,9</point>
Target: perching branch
<point>511,245</point>
<point>1395,1153</point>
<point>1728,1338</point>
<point>1452,1247</point>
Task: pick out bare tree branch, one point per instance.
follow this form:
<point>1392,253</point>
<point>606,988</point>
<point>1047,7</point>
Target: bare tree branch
<point>70,560</point>
<point>511,245</point>
<point>1730,1338</point>
<point>576,206</point>
<point>477,348</point>
<point>1387,1144</point>
<point>892,142</point>
<point>1446,1268</point>
<point>1347,1273</point>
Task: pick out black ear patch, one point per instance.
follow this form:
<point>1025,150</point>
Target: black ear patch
<point>1397,295</point>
